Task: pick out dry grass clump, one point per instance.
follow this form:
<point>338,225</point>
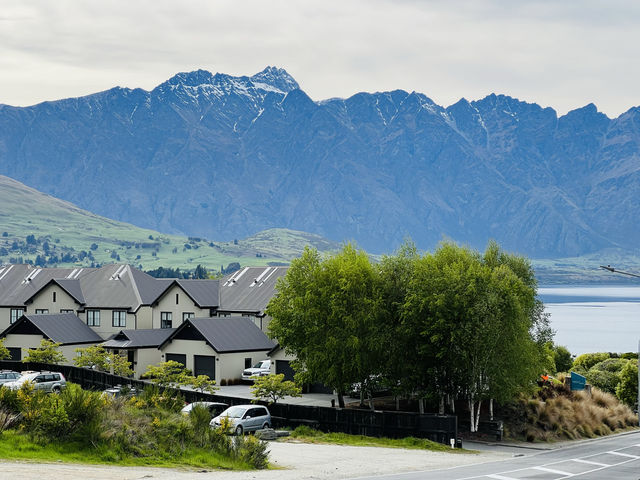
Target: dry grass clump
<point>557,413</point>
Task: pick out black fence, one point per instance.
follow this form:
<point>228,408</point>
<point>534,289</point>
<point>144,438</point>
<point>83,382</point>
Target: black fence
<point>439,428</point>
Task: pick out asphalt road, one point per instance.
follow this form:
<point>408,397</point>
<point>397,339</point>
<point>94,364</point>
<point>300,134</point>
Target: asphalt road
<point>615,457</point>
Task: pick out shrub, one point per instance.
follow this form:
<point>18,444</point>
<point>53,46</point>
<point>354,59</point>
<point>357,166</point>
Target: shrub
<point>251,450</point>
<point>7,419</point>
<point>9,400</point>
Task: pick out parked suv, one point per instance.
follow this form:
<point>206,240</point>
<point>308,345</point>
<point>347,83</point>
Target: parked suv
<point>244,418</point>
<point>47,381</point>
<point>260,369</point>
<point>7,376</point>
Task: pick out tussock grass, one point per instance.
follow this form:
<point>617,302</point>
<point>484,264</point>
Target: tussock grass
<point>309,435</point>
<point>556,413</point>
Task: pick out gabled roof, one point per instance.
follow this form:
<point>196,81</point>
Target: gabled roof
<point>18,283</point>
<point>145,338</point>
<point>71,286</point>
<point>223,334</point>
<point>204,293</point>
<point>249,289</point>
<point>63,328</point>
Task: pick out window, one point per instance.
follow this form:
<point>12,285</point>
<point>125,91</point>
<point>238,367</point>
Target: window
<point>65,310</point>
<point>212,312</point>
<point>187,315</point>
<point>119,318</point>
<point>54,297</point>
<point>93,318</point>
<point>247,362</point>
<point>177,298</point>
<point>165,319</point>
<point>40,311</point>
<point>16,313</point>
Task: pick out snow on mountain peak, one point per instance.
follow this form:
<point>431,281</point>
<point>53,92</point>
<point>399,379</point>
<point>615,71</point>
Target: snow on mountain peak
<point>277,78</point>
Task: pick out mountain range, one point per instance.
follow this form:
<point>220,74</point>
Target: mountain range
<point>222,157</point>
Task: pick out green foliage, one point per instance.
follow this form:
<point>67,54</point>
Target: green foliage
<point>203,383</point>
<point>249,449</point>
<point>273,388</point>
<point>562,358</point>
<point>325,312</point>
<point>47,352</point>
<point>627,388</point>
<point>96,356</point>
<point>587,360</point>
<point>4,351</point>
<point>155,397</point>
<point>169,373</point>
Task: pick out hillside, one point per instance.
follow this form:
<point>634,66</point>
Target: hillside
<point>34,226</point>
<point>218,156</point>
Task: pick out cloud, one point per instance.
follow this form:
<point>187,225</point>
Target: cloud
<point>559,54</point>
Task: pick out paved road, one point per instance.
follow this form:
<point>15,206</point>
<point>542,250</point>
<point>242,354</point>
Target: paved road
<point>616,458</point>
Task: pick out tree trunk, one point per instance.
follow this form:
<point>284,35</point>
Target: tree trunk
<point>471,412</point>
<point>452,404</point>
<point>421,405</point>
<point>371,405</point>
<point>340,399</point>
<point>361,397</point>
<point>478,415</point>
<point>491,409</point>
<point>441,406</point>
<point>397,403</point>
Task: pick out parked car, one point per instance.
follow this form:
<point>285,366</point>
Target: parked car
<point>7,376</point>
<point>48,381</point>
<point>120,391</point>
<point>244,418</point>
<point>215,408</point>
<point>260,369</point>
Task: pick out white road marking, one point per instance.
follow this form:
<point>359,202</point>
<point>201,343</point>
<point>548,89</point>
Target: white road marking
<point>551,470</point>
<point>500,477</point>
<point>623,454</point>
<point>591,463</point>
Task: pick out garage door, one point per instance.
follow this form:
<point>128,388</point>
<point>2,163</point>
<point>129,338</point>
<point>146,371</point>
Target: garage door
<point>204,365</point>
<point>177,357</point>
<point>284,367</point>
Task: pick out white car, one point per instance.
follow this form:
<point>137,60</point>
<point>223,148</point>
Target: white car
<point>244,418</point>
<point>47,381</point>
<point>214,408</point>
<point>260,369</point>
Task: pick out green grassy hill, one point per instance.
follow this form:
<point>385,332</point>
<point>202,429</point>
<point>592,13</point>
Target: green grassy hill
<point>37,227</point>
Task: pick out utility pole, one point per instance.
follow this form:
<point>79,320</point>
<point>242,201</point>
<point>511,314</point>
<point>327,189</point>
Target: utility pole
<point>615,270</point>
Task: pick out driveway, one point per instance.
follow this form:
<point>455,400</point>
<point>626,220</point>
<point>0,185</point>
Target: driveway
<point>297,461</point>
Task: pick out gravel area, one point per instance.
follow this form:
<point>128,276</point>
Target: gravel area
<point>295,461</point>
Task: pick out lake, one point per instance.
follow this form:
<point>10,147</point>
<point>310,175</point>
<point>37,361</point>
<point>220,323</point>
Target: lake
<point>594,318</point>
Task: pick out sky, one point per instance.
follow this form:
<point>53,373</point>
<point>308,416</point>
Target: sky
<point>561,54</point>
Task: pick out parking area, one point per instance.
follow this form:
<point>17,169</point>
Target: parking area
<point>314,399</point>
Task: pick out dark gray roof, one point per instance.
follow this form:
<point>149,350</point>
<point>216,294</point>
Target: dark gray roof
<point>225,334</point>
<point>64,328</point>
<point>204,293</point>
<point>249,289</point>
<point>145,338</point>
<point>18,283</point>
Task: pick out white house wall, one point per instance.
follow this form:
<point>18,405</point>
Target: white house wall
<point>44,300</point>
<point>184,305</point>
<point>25,342</point>
<point>228,365</point>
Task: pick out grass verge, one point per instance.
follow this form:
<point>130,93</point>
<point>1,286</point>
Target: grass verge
<point>18,446</point>
<point>309,435</point>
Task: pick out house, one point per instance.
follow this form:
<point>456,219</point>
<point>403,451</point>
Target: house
<point>220,347</point>
<point>140,346</point>
<point>115,301</point>
<point>64,328</point>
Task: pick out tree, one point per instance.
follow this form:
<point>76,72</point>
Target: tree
<point>169,373</point>
<point>273,388</point>
<point>4,351</point>
<point>96,356</point>
<point>480,327</point>
<point>324,312</point>
<point>47,352</point>
<point>203,383</point>
<point>583,363</point>
<point>627,389</point>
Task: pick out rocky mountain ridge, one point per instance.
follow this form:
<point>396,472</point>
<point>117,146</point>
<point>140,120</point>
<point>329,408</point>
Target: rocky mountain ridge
<point>223,157</point>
